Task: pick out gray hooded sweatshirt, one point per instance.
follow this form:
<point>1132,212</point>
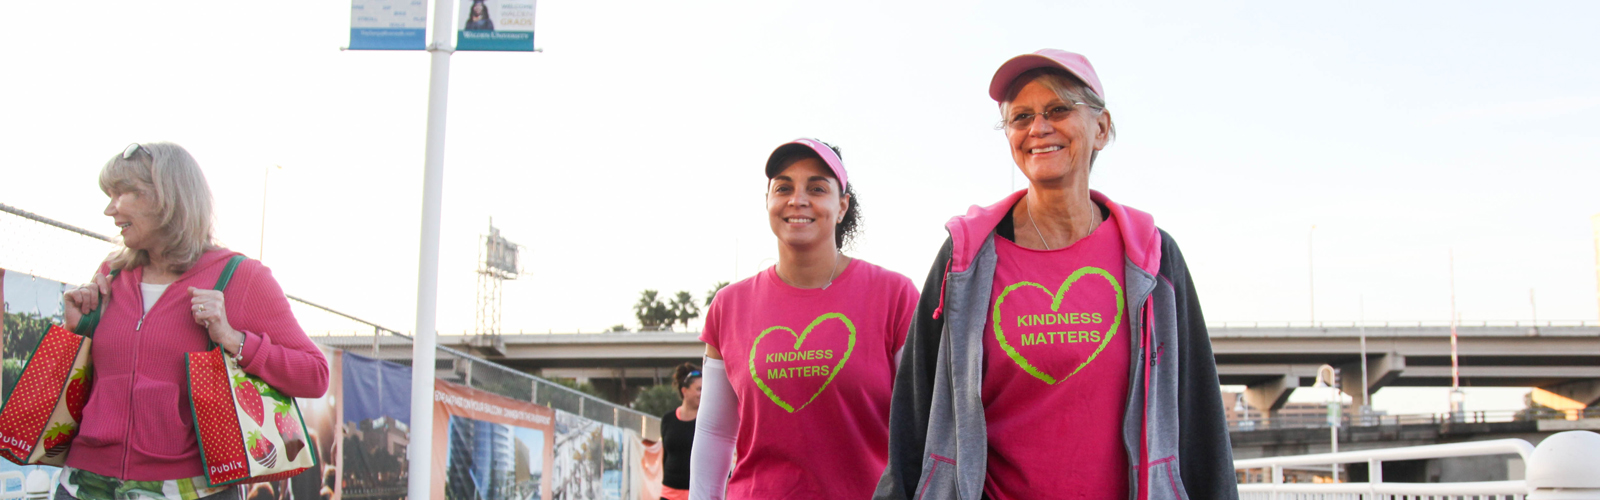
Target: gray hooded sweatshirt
<point>1174,429</point>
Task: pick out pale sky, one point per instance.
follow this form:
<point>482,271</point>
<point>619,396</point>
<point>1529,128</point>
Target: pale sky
<point>628,154</point>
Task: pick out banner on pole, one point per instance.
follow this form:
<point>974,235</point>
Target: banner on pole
<point>388,24</point>
<point>496,25</point>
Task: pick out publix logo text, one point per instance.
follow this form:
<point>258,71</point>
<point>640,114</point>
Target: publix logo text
<point>227,467</point>
<point>14,441</point>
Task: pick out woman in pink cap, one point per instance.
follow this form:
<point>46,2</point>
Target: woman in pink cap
<point>800,358</point>
<point>1058,350</point>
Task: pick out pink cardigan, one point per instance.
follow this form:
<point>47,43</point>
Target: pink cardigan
<point>138,424</point>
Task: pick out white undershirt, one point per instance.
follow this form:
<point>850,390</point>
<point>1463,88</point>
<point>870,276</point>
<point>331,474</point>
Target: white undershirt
<point>152,293</point>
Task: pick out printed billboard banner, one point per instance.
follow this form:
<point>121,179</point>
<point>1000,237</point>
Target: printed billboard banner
<point>648,469</point>
<point>595,461</point>
<point>29,305</point>
<point>376,414</point>
<point>388,24</point>
<point>496,25</point>
<point>489,447</point>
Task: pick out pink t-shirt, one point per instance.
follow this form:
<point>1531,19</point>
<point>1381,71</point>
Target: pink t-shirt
<point>1055,384</point>
<point>814,410</point>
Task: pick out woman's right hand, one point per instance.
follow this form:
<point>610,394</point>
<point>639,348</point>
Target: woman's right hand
<point>84,299</point>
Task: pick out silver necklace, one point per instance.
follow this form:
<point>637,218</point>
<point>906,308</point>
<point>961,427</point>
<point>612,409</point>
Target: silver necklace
<point>1093,222</point>
<point>1035,225</point>
<point>830,272</point>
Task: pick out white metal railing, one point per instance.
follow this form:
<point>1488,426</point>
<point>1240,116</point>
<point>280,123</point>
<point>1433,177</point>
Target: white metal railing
<point>1348,420</point>
<point>1375,488</point>
<point>1514,323</point>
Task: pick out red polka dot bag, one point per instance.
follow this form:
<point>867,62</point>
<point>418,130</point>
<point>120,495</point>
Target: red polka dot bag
<point>249,432</point>
<point>41,415</point>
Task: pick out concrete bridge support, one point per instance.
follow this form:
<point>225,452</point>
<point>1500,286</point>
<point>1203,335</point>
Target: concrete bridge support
<point>1382,370</point>
<point>1270,396</point>
<point>1575,393</point>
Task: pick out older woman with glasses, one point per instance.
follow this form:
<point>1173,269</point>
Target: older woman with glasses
<point>137,437</point>
<point>1058,350</point>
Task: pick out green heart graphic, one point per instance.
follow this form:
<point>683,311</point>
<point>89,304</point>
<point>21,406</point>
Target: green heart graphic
<point>1055,306</point>
<point>800,339</point>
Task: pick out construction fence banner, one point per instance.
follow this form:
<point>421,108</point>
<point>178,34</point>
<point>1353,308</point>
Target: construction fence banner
<point>376,416</point>
<point>31,305</point>
<point>496,448</point>
<point>600,461</point>
<point>487,446</point>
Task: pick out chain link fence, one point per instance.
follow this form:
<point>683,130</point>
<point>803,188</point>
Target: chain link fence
<point>37,245</point>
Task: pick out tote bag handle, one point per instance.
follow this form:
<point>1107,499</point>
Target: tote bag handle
<point>222,282</point>
<point>89,322</point>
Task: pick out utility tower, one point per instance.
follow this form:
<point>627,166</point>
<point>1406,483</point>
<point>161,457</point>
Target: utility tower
<point>497,263</point>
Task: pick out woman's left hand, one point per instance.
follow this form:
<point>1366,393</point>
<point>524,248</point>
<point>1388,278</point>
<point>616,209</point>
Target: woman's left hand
<point>207,308</point>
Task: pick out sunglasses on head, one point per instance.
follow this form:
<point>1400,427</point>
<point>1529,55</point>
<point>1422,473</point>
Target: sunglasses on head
<point>691,375</point>
<point>127,154</point>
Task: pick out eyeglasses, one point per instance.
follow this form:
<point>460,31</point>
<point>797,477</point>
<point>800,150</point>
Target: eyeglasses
<point>127,154</point>
<point>1021,121</point>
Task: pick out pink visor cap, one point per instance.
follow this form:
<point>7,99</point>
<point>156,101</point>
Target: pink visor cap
<point>815,146</point>
<point>1045,58</point>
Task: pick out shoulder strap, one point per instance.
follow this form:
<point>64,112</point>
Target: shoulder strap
<point>222,282</point>
<point>89,322</point>
<point>227,272</point>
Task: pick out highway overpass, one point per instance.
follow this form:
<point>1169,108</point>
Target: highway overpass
<point>1270,360</point>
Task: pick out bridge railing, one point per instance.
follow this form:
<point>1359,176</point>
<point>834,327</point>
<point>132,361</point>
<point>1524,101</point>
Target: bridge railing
<point>1320,421</point>
<point>1274,486</point>
<point>43,247</point>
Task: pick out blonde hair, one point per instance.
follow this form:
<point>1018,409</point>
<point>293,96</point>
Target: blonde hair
<point>172,179</point>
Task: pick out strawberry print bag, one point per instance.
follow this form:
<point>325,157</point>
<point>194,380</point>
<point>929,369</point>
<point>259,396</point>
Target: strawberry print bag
<point>41,414</point>
<point>249,432</point>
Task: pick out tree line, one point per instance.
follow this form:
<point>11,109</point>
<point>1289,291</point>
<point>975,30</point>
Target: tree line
<point>656,314</point>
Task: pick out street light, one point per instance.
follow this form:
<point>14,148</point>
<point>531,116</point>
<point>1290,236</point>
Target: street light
<point>1311,272</point>
<point>1328,376</point>
<point>1457,398</point>
<point>1366,394</point>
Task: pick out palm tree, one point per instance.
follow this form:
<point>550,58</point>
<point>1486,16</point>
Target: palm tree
<point>653,315</point>
<point>684,308</point>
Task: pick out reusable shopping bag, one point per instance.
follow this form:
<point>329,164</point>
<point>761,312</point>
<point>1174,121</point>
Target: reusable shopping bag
<point>41,415</point>
<point>249,432</point>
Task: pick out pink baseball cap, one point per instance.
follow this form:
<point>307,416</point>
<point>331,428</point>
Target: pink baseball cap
<point>815,146</point>
<point>1045,58</point>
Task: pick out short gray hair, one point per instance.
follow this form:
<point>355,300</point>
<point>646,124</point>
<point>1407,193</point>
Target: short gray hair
<point>1066,87</point>
<point>172,178</point>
